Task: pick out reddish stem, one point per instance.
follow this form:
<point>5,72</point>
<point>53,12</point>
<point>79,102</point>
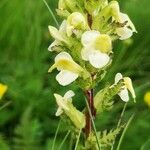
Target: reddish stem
<point>89,17</point>
<point>90,99</point>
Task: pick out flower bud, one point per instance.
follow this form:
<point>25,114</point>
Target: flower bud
<point>75,21</point>
<point>61,5</point>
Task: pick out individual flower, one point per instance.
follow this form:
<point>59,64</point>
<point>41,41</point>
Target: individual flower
<point>96,48</point>
<point>69,70</point>
<point>75,21</point>
<point>128,28</point>
<point>127,87</point>
<point>147,98</point>
<point>65,106</point>
<point>58,35</point>
<point>62,104</point>
<point>3,89</point>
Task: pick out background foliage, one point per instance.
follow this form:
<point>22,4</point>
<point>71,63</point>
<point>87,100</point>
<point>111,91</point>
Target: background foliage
<point>29,122</point>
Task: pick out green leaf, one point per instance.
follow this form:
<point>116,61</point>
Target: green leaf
<point>107,138</point>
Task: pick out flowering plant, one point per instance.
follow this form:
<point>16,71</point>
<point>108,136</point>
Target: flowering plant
<point>84,43</point>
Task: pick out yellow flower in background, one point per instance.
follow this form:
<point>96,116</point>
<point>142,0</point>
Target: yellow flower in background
<point>147,98</point>
<point>3,89</point>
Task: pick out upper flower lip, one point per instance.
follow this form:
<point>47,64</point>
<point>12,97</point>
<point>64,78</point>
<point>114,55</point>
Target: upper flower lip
<point>63,61</point>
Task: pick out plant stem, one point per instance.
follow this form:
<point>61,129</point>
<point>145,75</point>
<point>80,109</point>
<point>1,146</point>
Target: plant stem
<point>94,127</point>
<point>90,100</point>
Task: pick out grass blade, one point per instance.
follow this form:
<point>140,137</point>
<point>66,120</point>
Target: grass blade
<point>64,140</point>
<point>124,131</point>
<point>119,122</point>
<point>56,133</point>
<point>5,105</point>
<point>78,140</point>
<point>51,12</point>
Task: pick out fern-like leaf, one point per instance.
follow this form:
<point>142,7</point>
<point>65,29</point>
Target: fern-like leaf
<point>104,98</point>
<point>27,133</point>
<point>107,138</point>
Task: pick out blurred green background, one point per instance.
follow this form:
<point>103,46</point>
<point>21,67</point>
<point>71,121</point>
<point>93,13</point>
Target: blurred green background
<point>29,122</point>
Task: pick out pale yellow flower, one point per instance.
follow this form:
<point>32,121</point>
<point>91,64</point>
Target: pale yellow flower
<point>3,89</point>
<point>96,48</point>
<point>69,70</point>
<point>65,106</point>
<point>127,87</point>
<point>147,98</point>
<point>126,31</point>
<point>58,35</point>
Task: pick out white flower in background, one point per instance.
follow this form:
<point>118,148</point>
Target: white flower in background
<point>59,36</point>
<point>96,48</point>
<point>69,70</point>
<point>127,30</point>
<point>127,87</point>
<point>65,106</point>
<point>76,21</point>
